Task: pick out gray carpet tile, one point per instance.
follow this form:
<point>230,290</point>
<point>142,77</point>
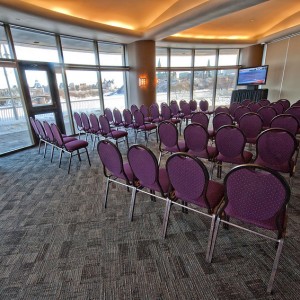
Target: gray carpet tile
<point>58,241</point>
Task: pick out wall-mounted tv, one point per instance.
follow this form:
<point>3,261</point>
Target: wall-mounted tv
<point>252,76</point>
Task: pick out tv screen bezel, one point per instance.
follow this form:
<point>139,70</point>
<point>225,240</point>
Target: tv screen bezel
<point>251,84</point>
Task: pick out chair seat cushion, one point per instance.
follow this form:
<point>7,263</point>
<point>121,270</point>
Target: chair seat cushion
<point>286,167</point>
<point>175,121</point>
<point>148,127</point>
<point>68,139</point>
<point>157,120</point>
<point>116,134</point>
<point>75,145</point>
<point>181,147</point>
<point>236,160</point>
<point>208,153</point>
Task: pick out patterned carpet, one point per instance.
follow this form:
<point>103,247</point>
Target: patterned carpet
<point>58,242</point>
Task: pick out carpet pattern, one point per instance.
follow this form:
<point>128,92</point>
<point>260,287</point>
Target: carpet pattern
<point>58,241</point>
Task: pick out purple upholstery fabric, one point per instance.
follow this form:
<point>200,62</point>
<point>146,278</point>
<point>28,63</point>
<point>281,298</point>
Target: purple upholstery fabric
<point>220,120</point>
<point>48,132</point>
<point>133,108</point>
<point>233,106</point>
<point>75,145</point>
<point>67,139</point>
<point>287,122</point>
<point>180,148</point>
<point>264,102</point>
<point>254,106</point>
<point>139,117</point>
<point>275,148</point>
<point>223,109</point>
<point>255,196</point>
<point>201,118</point>
<point>189,178</point>
<point>286,103</point>
<point>85,122</point>
<point>163,179</point>
<point>186,109</point>
<point>278,106</point>
<point>294,111</point>
<point>251,125</point>
<point>117,117</point>
<point>57,135</point>
<point>32,122</point>
<point>95,127</point>
<point>175,109</point>
<point>109,115</point>
<point>112,160</point>
<point>41,129</point>
<point>246,102</point>
<point>203,105</point>
<point>78,121</point>
<point>148,127</point>
<point>104,123</point>
<point>144,110</point>
<point>168,134</point>
<point>193,105</point>
<point>154,112</point>
<point>117,134</point>
<point>241,110</point>
<point>267,113</point>
<point>128,120</point>
<point>230,143</point>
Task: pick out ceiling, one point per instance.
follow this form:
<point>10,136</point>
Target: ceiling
<point>222,23</point>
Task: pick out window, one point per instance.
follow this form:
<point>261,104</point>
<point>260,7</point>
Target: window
<point>181,58</point>
<point>161,57</point>
<point>76,51</point>
<point>205,58</point>
<point>162,87</point>
<point>4,49</point>
<point>111,54</point>
<point>228,57</point>
<point>180,85</point>
<point>34,46</point>
<point>113,89</point>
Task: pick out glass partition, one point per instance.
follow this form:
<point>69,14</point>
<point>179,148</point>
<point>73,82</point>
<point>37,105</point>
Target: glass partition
<point>161,57</point>
<point>161,87</point>
<point>181,57</point>
<point>111,54</point>
<point>180,85</point>
<point>205,58</point>
<point>228,57</point>
<point>4,49</point>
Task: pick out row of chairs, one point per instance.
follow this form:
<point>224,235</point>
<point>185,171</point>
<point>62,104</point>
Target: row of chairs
<point>251,194</point>
<point>52,136</point>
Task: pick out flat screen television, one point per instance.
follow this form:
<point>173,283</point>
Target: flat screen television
<point>252,76</point>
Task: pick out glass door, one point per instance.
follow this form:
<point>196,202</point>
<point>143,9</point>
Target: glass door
<point>41,93</point>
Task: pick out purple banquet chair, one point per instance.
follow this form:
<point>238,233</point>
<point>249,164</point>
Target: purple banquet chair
<point>43,136</point>
<point>256,196</point>
<point>175,110</point>
<point>241,110</point>
<point>278,106</point>
<point>109,115</point>
<point>128,119</point>
<point>186,109</point>
<point>203,105</point>
<point>154,112</point>
<point>79,124</point>
<point>166,114</point>
<point>264,102</point>
<point>133,108</point>
<point>294,111</point>
<point>267,113</point>
<point>36,131</point>
<point>168,139</point>
<point>190,183</point>
<point>287,122</point>
<point>218,121</point>
<point>230,142</point>
<point>254,106</point>
<point>96,131</point>
<point>108,132</point>
<point>141,126</point>
<point>114,168</point>
<point>86,125</point>
<point>246,102</point>
<point>193,105</point>
<point>251,125</point>
<point>147,174</point>
<point>118,122</point>
<point>285,102</point>
<point>69,147</point>
<point>222,108</point>
<point>233,106</point>
<point>200,118</point>
<point>145,111</point>
<point>275,148</point>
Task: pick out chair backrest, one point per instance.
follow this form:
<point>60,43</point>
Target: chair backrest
<point>241,110</point>
<point>144,165</point>
<point>85,121</point>
<point>201,118</point>
<point>222,108</point>
<point>186,109</point>
<point>168,134</point>
<point>181,102</point>
<point>104,123</point>
<point>109,115</point>
<point>221,119</point>
<point>287,122</point>
<point>196,137</point>
<point>138,117</point>
<point>127,115</point>
<point>48,132</point>
<point>144,110</point>
<point>32,122</point>
<point>166,112</point>
<point>57,135</point>
<point>188,177</point>
<point>133,108</point>
<point>294,111</point>
<point>111,159</point>
<point>174,107</point>
<point>237,139</point>
<point>41,129</point>
<point>94,123</point>
<point>285,102</point>
<point>246,102</point>
<point>203,104</point>
<point>267,113</point>
<point>78,120</point>
<point>256,195</point>
<point>264,102</point>
<point>117,116</point>
<point>254,106</point>
<point>275,146</point>
<point>251,124</point>
<point>193,105</point>
<point>278,106</point>
<point>233,106</point>
<point>154,112</point>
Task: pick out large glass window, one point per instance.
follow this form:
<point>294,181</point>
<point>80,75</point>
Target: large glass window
<point>84,92</point>
<point>14,132</point>
<point>162,87</point>
<point>161,57</point>
<point>205,58</point>
<point>226,81</point>
<point>228,57</point>
<point>204,85</point>
<point>181,57</point>
<point>113,89</point>
<point>180,85</point>
<point>111,54</point>
<point>34,46</point>
<point>4,49</point>
<point>76,51</point>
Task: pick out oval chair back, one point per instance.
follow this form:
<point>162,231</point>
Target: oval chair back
<point>166,112</point>
<point>48,132</point>
<point>278,106</point>
<point>251,125</point>
<point>287,122</point>
<point>174,107</point>
<point>94,123</point>
<point>233,106</point>
<point>109,115</point>
<point>267,113</point>
<point>144,110</point>
<point>200,118</point>
<point>203,104</point>
<point>41,129</point>
<point>104,123</point>
<point>193,105</point>
<point>254,106</point>
<point>264,102</point>
<point>196,137</point>
<point>222,108</point>
<point>78,121</point>
<point>168,135</point>
<point>85,122</point>
<point>133,108</point>
<point>285,102</point>
<point>138,117</point>
<point>220,120</point>
<point>128,119</point>
<point>117,116</point>
<point>57,135</point>
<point>241,110</point>
<point>154,112</point>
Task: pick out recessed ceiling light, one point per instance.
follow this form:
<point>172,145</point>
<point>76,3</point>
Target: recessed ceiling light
<point>252,20</point>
